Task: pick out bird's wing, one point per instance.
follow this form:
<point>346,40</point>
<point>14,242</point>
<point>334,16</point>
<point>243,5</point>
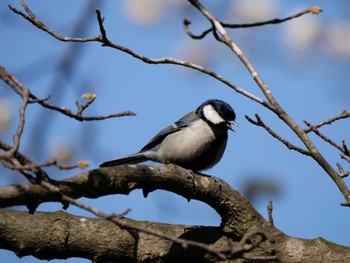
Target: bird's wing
<point>176,126</point>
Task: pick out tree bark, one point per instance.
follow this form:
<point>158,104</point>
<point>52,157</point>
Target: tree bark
<point>59,235</point>
<point>48,235</point>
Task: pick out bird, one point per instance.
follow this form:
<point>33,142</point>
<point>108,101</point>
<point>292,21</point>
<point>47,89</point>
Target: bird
<point>195,142</point>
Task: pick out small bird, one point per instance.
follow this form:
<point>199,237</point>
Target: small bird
<point>196,142</point>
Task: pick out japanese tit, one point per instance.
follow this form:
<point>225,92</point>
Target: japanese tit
<point>197,141</point>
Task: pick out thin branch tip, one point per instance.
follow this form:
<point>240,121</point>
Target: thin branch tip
<point>289,145</point>
<point>315,10</point>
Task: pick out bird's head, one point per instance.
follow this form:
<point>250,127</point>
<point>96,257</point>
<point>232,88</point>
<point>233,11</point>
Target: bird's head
<point>217,112</point>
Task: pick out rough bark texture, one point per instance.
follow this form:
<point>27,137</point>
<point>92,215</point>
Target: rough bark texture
<point>48,235</point>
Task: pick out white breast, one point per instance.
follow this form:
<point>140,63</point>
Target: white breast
<point>187,142</point>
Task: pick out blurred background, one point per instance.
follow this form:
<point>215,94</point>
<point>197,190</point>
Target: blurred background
<point>305,62</point>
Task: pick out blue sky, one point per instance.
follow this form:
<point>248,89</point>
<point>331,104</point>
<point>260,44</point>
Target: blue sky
<point>305,69</point>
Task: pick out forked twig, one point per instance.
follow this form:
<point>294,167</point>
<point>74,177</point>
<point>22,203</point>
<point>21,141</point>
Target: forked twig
<point>289,145</point>
<point>343,148</point>
<point>13,82</point>
<point>343,115</point>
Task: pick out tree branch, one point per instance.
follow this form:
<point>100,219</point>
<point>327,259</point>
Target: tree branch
<point>230,204</point>
<point>311,10</point>
<point>55,190</point>
<point>62,235</point>
<point>53,187</point>
<point>324,137</point>
<point>102,38</point>
<point>13,82</point>
<point>289,145</point>
<point>17,136</point>
<point>343,115</point>
<point>37,23</point>
<point>275,107</point>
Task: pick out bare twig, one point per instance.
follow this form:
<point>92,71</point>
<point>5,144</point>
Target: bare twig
<point>24,93</point>
<point>226,39</point>
<point>269,212</point>
<point>289,145</point>
<point>343,115</point>
<point>12,81</point>
<point>310,10</point>
<point>90,97</point>
<point>187,22</point>
<point>345,157</point>
<point>324,137</point>
<point>78,117</point>
<point>15,164</point>
<point>32,19</point>
<point>342,173</point>
<point>23,161</point>
<point>345,148</point>
<point>346,154</point>
<point>245,245</point>
<point>165,60</point>
<point>51,162</point>
<point>121,214</point>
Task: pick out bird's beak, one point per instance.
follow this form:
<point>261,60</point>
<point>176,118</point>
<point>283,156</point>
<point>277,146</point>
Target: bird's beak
<point>229,123</point>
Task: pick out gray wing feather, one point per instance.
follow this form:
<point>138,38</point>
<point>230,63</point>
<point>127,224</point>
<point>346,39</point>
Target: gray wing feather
<point>176,126</point>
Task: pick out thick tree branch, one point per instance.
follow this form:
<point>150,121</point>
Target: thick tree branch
<point>61,235</point>
<point>54,189</point>
<point>26,167</point>
<point>233,208</point>
<point>229,252</point>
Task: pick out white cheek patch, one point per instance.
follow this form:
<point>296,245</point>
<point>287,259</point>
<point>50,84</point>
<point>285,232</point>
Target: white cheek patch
<point>212,115</point>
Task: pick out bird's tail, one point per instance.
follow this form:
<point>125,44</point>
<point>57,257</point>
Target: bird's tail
<point>131,159</point>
